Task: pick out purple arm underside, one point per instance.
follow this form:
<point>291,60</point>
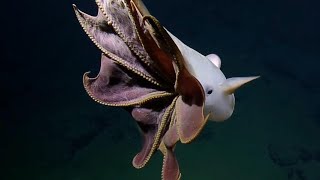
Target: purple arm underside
<point>129,78</point>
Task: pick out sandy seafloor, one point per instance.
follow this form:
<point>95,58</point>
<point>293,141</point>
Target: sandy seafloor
<point>50,129</point>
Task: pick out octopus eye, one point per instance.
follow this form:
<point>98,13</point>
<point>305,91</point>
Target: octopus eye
<point>210,91</point>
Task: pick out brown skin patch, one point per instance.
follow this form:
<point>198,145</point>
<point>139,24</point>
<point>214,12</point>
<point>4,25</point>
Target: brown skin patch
<point>158,55</point>
<point>136,49</point>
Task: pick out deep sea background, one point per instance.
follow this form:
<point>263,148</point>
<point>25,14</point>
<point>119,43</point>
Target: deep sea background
<point>50,129</point>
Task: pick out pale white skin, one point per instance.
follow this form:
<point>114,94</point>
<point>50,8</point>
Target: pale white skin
<point>220,101</point>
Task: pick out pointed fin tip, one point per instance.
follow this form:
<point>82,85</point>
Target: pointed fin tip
<point>232,84</point>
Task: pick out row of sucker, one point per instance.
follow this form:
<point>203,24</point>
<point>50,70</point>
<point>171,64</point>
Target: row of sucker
<point>118,14</point>
<point>114,57</point>
<point>150,97</point>
<point>166,118</point>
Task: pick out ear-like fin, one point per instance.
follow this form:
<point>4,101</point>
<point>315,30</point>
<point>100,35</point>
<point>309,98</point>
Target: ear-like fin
<point>215,60</point>
<point>231,84</point>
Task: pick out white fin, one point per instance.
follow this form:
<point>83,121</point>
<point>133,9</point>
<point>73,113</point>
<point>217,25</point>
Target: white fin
<point>231,84</point>
<point>214,59</point>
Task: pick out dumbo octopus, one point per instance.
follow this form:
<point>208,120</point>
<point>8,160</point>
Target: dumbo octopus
<point>170,89</point>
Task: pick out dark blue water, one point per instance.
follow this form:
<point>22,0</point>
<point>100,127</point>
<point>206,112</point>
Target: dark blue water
<point>51,129</point>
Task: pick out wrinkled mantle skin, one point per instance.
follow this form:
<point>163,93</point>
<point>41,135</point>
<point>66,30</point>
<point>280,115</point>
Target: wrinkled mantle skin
<point>143,71</point>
